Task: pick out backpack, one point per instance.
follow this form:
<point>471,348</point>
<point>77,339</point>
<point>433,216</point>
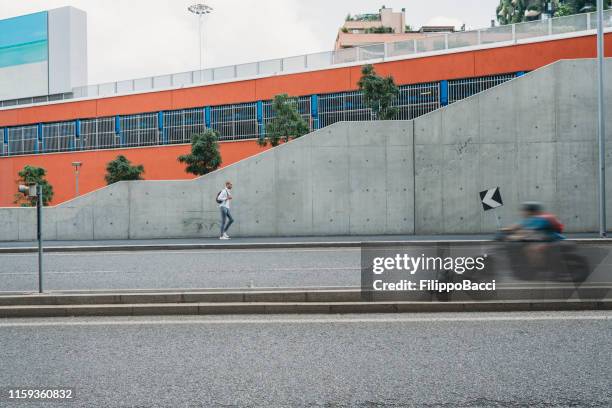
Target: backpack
<point>554,222</point>
<point>217,198</point>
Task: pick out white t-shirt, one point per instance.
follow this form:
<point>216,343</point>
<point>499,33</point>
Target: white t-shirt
<point>225,196</point>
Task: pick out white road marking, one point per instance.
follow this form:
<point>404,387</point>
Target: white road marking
<point>59,272</point>
<point>266,270</point>
<point>190,251</point>
<point>398,319</point>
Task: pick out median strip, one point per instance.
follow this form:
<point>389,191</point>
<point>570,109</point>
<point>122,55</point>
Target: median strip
<point>300,301</point>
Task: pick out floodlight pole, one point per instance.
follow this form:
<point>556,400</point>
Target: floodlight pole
<point>601,121</point>
<point>200,37</point>
<point>200,10</point>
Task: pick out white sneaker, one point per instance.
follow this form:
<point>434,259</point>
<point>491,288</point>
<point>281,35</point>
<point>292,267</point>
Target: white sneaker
<point>226,236</point>
<point>223,237</point>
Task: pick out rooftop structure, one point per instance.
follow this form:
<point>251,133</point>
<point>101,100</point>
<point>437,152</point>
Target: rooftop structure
<point>386,18</point>
<point>383,27</point>
<point>43,54</point>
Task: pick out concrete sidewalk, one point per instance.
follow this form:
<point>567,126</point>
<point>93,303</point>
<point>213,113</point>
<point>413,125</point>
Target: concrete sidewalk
<point>245,243</point>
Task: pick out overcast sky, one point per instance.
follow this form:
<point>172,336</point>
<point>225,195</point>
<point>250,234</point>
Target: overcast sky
<point>138,38</point>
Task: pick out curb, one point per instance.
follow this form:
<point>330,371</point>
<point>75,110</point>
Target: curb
<point>181,247</point>
<point>585,292</point>
<point>262,245</point>
<point>299,308</point>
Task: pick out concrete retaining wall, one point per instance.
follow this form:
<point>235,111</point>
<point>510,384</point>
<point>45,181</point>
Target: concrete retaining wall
<point>535,137</point>
<point>326,183</point>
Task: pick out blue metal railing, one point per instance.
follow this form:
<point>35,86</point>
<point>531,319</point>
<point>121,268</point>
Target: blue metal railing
<point>233,122</point>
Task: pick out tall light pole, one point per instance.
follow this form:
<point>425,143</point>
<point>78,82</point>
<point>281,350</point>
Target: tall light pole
<point>602,121</point>
<point>76,166</point>
<point>201,10</point>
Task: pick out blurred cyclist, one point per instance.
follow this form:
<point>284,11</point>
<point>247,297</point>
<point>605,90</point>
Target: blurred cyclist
<point>537,225</point>
<point>538,228</point>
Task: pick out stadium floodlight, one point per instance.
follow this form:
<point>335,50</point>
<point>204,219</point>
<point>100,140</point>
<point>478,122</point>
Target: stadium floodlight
<point>201,10</point>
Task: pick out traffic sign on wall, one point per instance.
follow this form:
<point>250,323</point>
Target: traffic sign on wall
<point>491,199</point>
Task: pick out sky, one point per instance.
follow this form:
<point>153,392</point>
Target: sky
<point>139,38</point>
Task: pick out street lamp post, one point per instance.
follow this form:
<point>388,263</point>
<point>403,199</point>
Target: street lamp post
<point>601,121</point>
<point>76,166</point>
<point>201,10</point>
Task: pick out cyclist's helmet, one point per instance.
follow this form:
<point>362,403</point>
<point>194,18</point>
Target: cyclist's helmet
<point>532,207</point>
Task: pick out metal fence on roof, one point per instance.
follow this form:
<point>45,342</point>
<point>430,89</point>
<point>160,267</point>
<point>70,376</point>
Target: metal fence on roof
<point>235,122</point>
<point>99,133</point>
<point>179,125</point>
<point>58,137</point>
<point>462,88</point>
<point>139,130</point>
<point>21,140</point>
<point>303,107</point>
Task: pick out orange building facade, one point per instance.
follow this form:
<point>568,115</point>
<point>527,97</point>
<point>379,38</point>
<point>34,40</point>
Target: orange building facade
<point>160,163</point>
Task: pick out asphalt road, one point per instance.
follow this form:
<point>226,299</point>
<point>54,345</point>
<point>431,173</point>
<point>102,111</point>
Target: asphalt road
<point>183,269</point>
<point>228,268</point>
<point>458,360</point>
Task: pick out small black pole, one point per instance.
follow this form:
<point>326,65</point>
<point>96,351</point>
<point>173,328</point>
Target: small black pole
<point>39,203</point>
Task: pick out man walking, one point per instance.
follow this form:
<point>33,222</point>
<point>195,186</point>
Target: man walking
<point>224,198</point>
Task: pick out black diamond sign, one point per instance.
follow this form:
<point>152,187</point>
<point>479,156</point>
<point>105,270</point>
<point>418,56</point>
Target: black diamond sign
<point>491,199</point>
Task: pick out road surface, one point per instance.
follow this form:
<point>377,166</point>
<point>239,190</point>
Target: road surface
<point>194,269</point>
<point>443,360</point>
<point>184,269</point>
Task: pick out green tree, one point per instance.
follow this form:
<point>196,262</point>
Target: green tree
<point>121,169</point>
<point>378,93</point>
<point>204,156</point>
<point>569,7</point>
<point>564,9</point>
<point>379,30</point>
<point>286,123</point>
<point>34,175</point>
<point>513,11</point>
